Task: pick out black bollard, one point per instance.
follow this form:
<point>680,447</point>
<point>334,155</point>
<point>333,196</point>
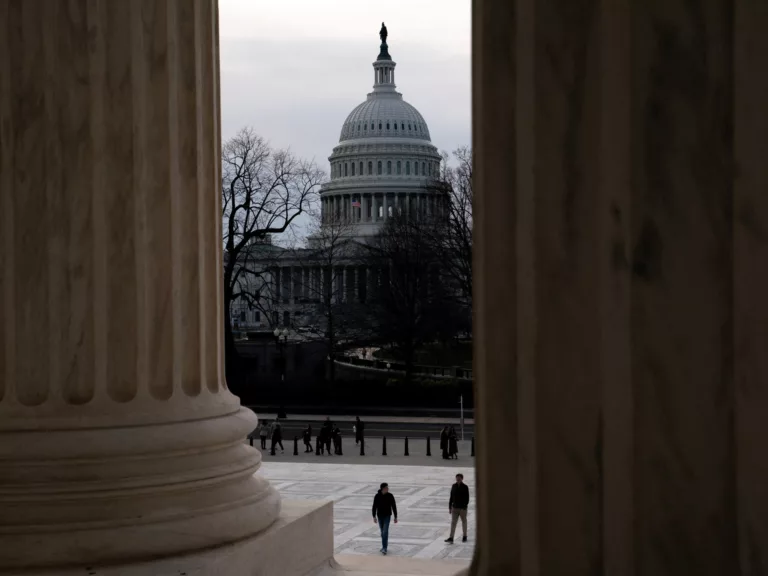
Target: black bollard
<point>406,446</point>
<point>341,451</point>
<point>473,446</point>
<point>295,445</point>
<point>429,448</point>
<point>362,446</point>
<point>384,446</point>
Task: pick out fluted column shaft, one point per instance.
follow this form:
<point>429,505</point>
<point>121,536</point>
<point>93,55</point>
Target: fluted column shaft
<point>621,332</point>
<point>110,289</point>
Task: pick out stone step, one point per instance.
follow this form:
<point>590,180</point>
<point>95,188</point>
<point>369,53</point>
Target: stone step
<point>349,565</point>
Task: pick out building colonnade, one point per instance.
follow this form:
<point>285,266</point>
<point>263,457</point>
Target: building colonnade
<point>356,207</point>
<point>345,283</point>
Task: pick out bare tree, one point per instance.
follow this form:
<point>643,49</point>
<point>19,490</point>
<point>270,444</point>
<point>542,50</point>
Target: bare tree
<point>411,303</point>
<point>330,249</point>
<point>264,191</point>
<point>453,232</point>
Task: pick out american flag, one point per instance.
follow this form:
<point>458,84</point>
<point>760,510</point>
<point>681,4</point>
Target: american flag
<point>355,203</point>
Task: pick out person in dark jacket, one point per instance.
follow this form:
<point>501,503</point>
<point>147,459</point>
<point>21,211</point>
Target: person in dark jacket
<point>457,506</point>
<point>383,508</point>
<point>453,444</point>
<point>308,439</point>
<point>444,442</point>
<point>359,431</point>
<point>327,432</point>
<point>336,440</point>
<point>277,436</point>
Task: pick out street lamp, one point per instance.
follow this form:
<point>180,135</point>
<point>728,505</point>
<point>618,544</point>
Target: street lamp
<point>282,338</point>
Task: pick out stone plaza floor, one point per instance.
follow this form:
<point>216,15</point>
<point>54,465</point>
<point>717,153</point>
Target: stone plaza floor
<point>421,493</point>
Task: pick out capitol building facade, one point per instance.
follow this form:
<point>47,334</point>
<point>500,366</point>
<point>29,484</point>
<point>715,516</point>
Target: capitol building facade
<point>384,164</point>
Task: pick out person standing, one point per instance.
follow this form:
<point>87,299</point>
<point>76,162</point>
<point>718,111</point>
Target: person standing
<point>453,444</point>
<point>444,442</point>
<point>277,436</point>
<point>337,441</point>
<point>327,432</point>
<point>384,507</point>
<point>308,439</point>
<point>263,433</point>
<point>457,506</point>
<point>359,430</point>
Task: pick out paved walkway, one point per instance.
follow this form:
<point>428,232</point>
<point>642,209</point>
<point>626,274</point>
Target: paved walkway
<point>422,504</point>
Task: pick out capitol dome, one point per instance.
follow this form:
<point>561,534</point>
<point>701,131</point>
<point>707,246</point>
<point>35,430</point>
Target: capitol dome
<point>384,115</point>
<point>385,162</point>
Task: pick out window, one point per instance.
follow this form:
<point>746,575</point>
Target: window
<point>371,125</point>
<point>430,168</point>
<point>275,317</point>
<point>361,168</point>
<point>365,126</point>
<point>416,168</point>
<point>398,167</point>
<point>423,170</point>
<point>353,168</point>
<point>389,166</point>
<point>387,125</point>
<point>346,169</point>
<point>379,125</point>
<point>286,318</point>
<point>257,316</point>
<point>379,167</point>
<point>409,125</point>
<point>402,125</point>
<point>408,168</point>
<point>370,168</point>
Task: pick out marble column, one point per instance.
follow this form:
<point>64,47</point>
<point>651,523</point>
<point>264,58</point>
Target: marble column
<point>119,440</point>
<point>385,206</point>
<point>621,334</point>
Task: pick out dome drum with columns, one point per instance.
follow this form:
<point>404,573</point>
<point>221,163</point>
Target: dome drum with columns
<point>384,161</point>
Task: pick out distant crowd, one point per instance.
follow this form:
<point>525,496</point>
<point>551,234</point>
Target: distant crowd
<point>330,436</point>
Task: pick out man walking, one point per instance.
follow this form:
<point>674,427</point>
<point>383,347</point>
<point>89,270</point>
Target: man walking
<point>457,505</point>
<point>277,437</point>
<point>383,508</point>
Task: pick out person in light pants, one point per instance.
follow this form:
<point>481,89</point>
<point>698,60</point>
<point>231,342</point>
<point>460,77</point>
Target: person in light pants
<point>457,506</point>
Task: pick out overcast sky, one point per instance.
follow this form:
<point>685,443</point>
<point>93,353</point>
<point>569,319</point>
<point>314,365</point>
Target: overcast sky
<point>294,69</point>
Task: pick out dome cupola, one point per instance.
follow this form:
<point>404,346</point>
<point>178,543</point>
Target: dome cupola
<point>384,160</point>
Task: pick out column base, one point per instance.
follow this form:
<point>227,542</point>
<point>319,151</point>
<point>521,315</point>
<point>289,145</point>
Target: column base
<point>122,494</point>
<point>296,544</point>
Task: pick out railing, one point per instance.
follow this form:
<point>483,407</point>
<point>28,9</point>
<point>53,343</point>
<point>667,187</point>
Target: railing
<point>396,367</point>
